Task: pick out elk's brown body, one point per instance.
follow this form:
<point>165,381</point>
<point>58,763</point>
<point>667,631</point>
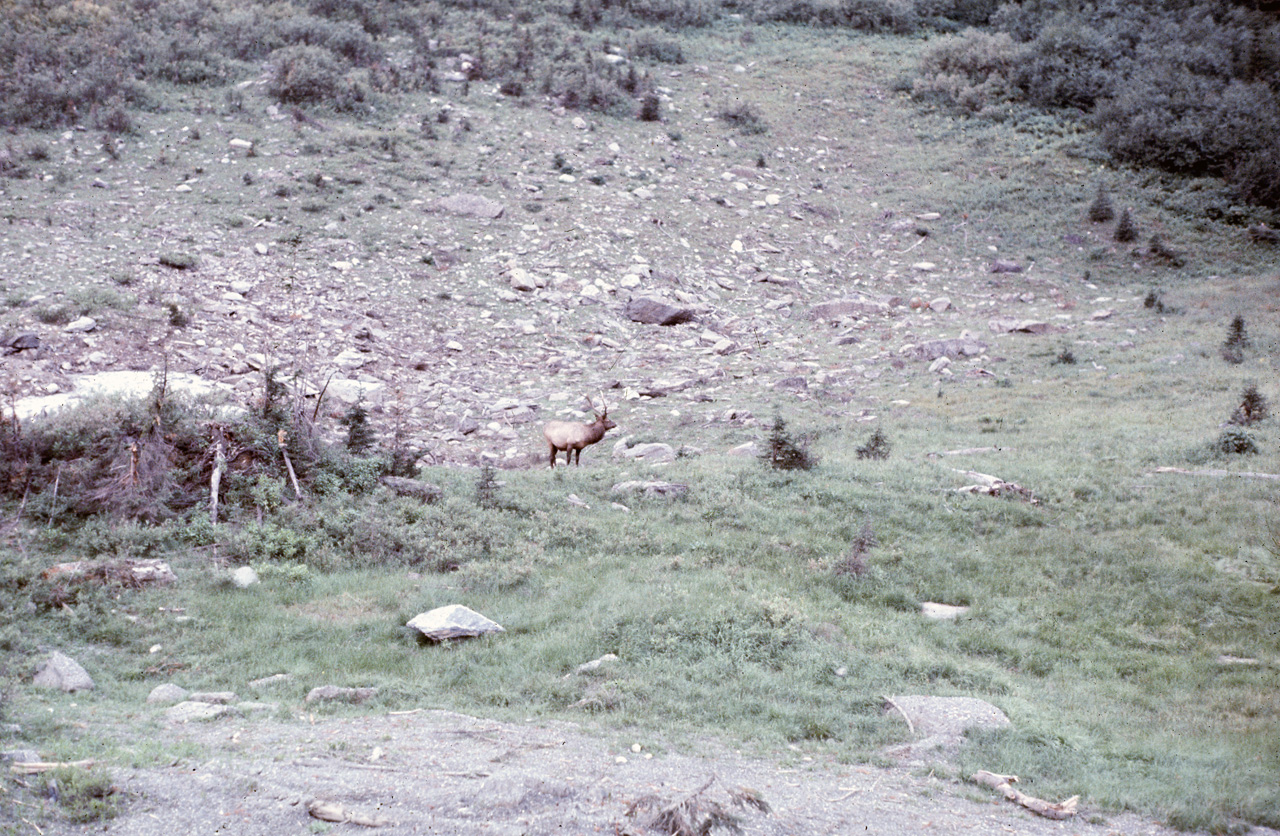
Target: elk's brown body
<point>571,436</point>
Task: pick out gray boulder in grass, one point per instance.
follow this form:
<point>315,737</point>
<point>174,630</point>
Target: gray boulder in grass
<point>62,672</point>
<point>453,622</point>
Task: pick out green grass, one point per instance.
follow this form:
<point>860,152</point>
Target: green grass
<point>1097,616</point>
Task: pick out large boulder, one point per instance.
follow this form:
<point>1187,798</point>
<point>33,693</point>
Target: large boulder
<point>453,622</point>
<point>653,452</point>
<point>63,673</point>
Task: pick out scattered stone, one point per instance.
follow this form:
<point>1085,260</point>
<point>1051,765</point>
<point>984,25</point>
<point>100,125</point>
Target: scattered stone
<point>1001,265</point>
<point>468,205</point>
<point>942,364</point>
<point>1027,326</point>
<point>940,304</point>
<point>189,711</point>
<point>335,693</point>
<point>931,350</point>
<point>654,452</point>
<point>524,281</point>
<point>423,491</point>
<point>587,667</point>
<point>167,693</point>
<point>654,312</point>
<point>749,450</point>
<point>453,622</point>
<point>840,308</point>
<point>274,679</point>
<point>62,673</point>
<point>213,697</point>
<point>924,267</point>
<point>26,341</point>
<point>82,325</point>
<point>665,490</point>
<point>798,383</point>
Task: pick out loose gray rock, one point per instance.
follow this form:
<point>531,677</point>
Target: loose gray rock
<point>953,348</point>
<point>453,622</point>
<point>1001,265</point>
<point>188,711</point>
<point>798,383</point>
<point>213,697</point>
<point>1028,326</point>
<point>666,490</point>
<point>167,693</point>
<point>25,341</point>
<point>654,312</point>
<point>423,491</point>
<point>63,673</point>
<point>587,667</point>
<point>840,308</point>
<point>334,693</point>
<point>654,452</point>
<point>82,325</point>
<point>468,205</point>
<point>274,679</point>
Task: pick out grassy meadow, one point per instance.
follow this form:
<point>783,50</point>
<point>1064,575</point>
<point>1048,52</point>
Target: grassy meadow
<point>1127,620</point>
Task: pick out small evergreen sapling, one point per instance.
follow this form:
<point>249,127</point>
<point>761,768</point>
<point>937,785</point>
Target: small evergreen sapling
<point>1237,341</point>
<point>1101,210</point>
<point>1126,229</point>
<point>1252,409</point>
<point>783,452</point>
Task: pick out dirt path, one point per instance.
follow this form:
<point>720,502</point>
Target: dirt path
<point>440,772</point>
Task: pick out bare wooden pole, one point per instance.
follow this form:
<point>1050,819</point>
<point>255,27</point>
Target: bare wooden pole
<point>215,480</point>
<point>293,477</point>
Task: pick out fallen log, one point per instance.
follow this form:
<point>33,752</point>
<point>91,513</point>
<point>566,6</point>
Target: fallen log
<point>1004,785</point>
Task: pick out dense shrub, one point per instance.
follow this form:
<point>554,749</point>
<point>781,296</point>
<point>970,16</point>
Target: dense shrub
<point>650,45</point>
<point>898,16</point>
<point>1192,88</point>
<point>314,75</point>
<point>974,70</point>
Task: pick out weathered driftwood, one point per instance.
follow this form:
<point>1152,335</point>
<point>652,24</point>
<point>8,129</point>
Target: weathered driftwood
<point>281,437</point>
<point>995,486</point>
<point>333,811</point>
<point>35,767</point>
<point>1218,474</point>
<point>1004,784</point>
<point>126,572</point>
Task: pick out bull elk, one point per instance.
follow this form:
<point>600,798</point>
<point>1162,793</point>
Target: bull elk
<point>571,436</point>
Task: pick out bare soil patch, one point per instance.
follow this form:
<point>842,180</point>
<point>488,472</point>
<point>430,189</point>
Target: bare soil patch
<point>443,772</point>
